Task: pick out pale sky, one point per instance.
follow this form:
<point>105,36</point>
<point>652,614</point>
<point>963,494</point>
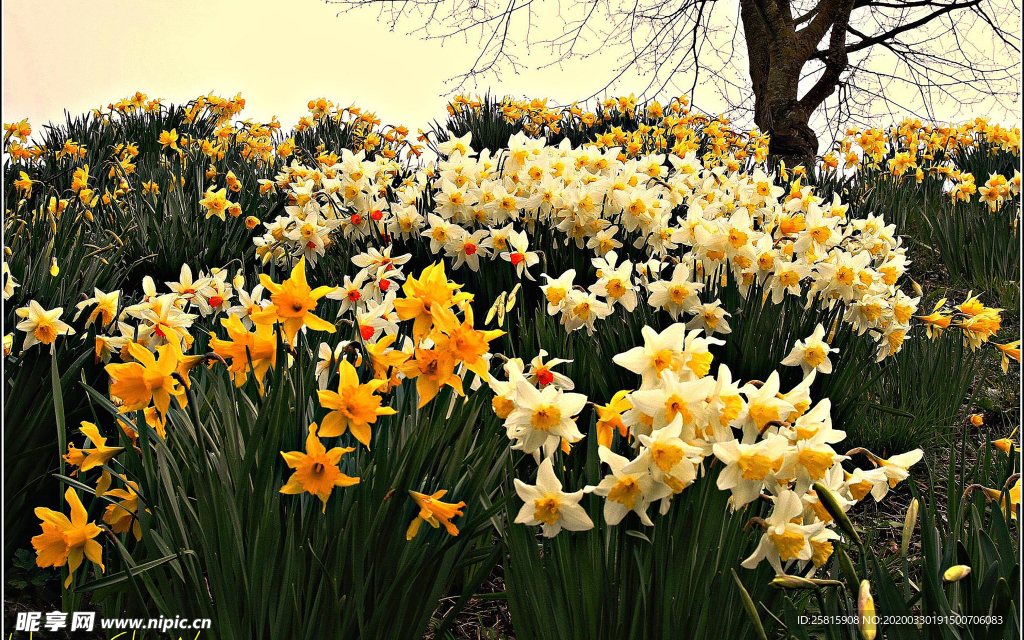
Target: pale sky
<point>81,54</point>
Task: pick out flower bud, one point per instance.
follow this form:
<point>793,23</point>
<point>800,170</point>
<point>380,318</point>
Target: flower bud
<point>836,511</point>
<point>908,526</point>
<point>791,582</point>
<point>956,573</point>
<point>866,612</point>
<point>797,582</point>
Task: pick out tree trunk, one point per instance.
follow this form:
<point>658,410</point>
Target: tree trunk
<point>776,55</point>
<point>792,139</point>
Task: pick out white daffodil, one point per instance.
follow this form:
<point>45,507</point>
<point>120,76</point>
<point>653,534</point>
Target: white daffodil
<point>582,309</point>
<point>724,409</point>
<point>672,461</point>
<point>834,481</point>
<point>519,254</point>
<point>187,287</point>
<point>660,352</point>
<point>677,295</point>
<point>674,398</point>
<point>628,487</point>
<point>469,248</point>
<point>556,290</point>
<point>547,505</point>
<point>9,282</point>
<point>248,304</point>
<point>811,354</point>
<point>352,293</point>
<point>808,461</point>
<point>896,469</point>
<point>325,356</point>
<point>749,467</point>
<point>710,317</point>
<point>540,373</point>
<point>783,540</point>
<point>615,283</point>
<point>543,417</point>
<point>763,407</point>
<point>40,325</point>
<point>862,482</point>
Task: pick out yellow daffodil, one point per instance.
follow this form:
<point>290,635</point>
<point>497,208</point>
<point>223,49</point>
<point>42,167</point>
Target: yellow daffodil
<point>466,343</point>
<point>431,290</point>
<point>1008,351</point>
<point>432,369</point>
<point>215,203</point>
<point>384,360</point>
<point>66,540</point>
<point>258,348</point>
<point>434,512</point>
<point>316,470</point>
<point>124,515</point>
<point>147,380</point>
<point>168,139</point>
<point>609,418</point>
<point>86,459</point>
<point>292,303</point>
<point>354,406</point>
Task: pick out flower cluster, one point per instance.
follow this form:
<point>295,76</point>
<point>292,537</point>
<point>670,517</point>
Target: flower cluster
<point>931,152</point>
<point>669,209</point>
<point>694,225</point>
<point>770,444</point>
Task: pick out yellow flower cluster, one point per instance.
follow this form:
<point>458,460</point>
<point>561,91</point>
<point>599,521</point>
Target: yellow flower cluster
<point>932,151</point>
<point>632,129</point>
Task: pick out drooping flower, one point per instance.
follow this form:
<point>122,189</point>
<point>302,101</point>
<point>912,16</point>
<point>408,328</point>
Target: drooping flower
<point>434,512</point>
<point>894,469</point>
<point>1008,351</point>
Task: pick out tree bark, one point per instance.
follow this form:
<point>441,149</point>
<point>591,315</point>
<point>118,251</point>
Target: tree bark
<point>776,54</point>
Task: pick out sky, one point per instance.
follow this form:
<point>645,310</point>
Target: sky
<point>77,55</point>
<point>81,54</point>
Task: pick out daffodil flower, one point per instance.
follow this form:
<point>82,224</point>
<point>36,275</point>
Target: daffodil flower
<point>353,407</point>
<point>547,505</point>
<point>67,540</point>
<point>316,470</point>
